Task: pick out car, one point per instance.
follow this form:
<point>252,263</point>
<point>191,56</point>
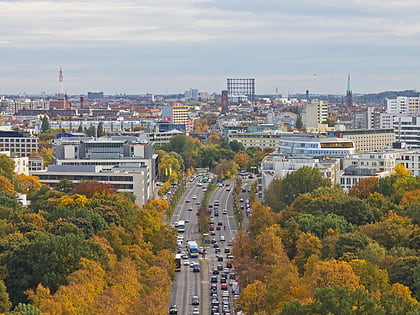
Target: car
<point>229,243</point>
<point>215,301</point>
<point>227,184</point>
<point>227,250</point>
<point>218,228</point>
<point>224,211</point>
<point>217,250</point>
<point>184,256</point>
<point>216,213</point>
<point>228,265</point>
<point>228,189</point>
<point>219,258</point>
<point>173,310</point>
<point>222,238</point>
<point>197,203</point>
<point>220,185</point>
<point>187,220</point>
<point>186,262</point>
<point>213,279</point>
<point>215,245</point>
<point>220,223</point>
<point>241,200</point>
<point>190,209</point>
<point>224,287</point>
<point>223,280</point>
<point>213,241</point>
<point>215,272</point>
<point>211,228</point>
<point>219,267</point>
<point>187,201</point>
<point>195,300</point>
<point>196,268</point>
<point>194,197</point>
<point>195,311</point>
<point>212,232</point>
<point>192,264</point>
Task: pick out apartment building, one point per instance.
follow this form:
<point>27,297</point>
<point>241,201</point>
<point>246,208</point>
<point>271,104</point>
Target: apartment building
<point>18,143</point>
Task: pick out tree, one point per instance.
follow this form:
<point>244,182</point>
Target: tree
<point>65,185</point>
<point>6,185</point>
<point>363,188</point>
<point>45,124</point>
<point>214,138</point>
<point>91,187</point>
<point>306,246</point>
<point>371,276</point>
<point>100,131</point>
<point>241,159</point>
<point>7,168</point>
<point>80,128</point>
<point>27,184</point>
<point>299,122</point>
<point>47,155</point>
<point>4,298</point>
<point>91,131</point>
<point>252,298</point>
<point>351,243</point>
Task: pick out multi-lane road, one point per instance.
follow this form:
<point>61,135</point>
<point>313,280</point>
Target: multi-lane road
<point>215,294</point>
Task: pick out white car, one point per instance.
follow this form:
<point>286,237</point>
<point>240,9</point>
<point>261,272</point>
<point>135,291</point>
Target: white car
<point>194,197</point>
<point>186,262</point>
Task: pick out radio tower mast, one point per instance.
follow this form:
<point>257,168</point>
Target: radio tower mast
<point>61,84</point>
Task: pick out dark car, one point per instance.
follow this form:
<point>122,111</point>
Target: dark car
<point>195,300</point>
<point>215,272</point>
<point>213,279</point>
<point>173,310</point>
<point>196,268</point>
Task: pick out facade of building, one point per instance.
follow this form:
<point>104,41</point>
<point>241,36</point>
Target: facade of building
<point>241,90</point>
<point>176,114</point>
<point>368,140</point>
<point>113,155</point>
<point>314,113</point>
<point>18,143</point>
<point>403,105</point>
<point>407,130</point>
<point>130,179</point>
<point>316,146</point>
<point>277,165</point>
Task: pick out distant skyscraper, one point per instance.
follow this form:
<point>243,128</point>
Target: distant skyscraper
<point>241,90</point>
<point>349,94</point>
<point>225,101</point>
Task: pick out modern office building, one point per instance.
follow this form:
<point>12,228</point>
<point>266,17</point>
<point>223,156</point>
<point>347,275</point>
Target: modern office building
<point>316,146</point>
<point>407,130</point>
<point>241,90</point>
<point>368,140</point>
<point>116,155</point>
<point>18,143</point>
<point>403,105</point>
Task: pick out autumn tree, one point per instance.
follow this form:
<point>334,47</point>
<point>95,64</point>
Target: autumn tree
<point>6,185</point>
<point>363,188</point>
<point>252,298</point>
<point>241,159</point>
<point>4,298</point>
<point>89,188</point>
<point>7,168</point>
<point>226,168</point>
<point>214,138</point>
<point>27,184</point>
<point>306,246</point>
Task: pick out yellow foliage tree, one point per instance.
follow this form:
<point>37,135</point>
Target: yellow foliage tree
<point>27,184</point>
<point>252,298</point>
<point>331,273</point>
<point>401,170</point>
<point>6,185</point>
<point>371,276</point>
<point>241,159</point>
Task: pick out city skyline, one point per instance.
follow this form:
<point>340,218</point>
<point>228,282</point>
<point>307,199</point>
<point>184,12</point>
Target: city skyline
<point>166,47</point>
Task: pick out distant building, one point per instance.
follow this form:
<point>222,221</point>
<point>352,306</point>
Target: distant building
<point>18,143</point>
<point>314,113</point>
<point>96,95</point>
<point>277,165</point>
<point>241,90</point>
<point>192,94</point>
<point>225,101</point>
<point>176,114</point>
<point>368,140</point>
<point>316,146</point>
<point>403,105</point>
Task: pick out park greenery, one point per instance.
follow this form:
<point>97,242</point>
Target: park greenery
<point>81,249</point>
<point>314,249</point>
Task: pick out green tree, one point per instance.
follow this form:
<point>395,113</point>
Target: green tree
<point>4,298</point>
<point>91,131</point>
<point>299,122</point>
<point>45,124</point>
<point>100,131</point>
<point>7,168</point>
<point>80,128</point>
<point>65,185</point>
<point>25,309</point>
<point>47,259</point>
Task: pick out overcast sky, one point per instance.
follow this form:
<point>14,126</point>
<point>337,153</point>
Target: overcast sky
<point>168,46</point>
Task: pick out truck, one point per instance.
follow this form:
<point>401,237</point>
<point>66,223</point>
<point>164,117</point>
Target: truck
<point>192,249</point>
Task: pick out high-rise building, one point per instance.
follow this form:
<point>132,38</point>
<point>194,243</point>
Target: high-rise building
<point>176,114</point>
<point>241,90</point>
<point>403,105</point>
<point>314,113</point>
<point>96,95</point>
<point>225,101</point>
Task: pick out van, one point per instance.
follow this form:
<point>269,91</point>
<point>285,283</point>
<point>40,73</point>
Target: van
<point>222,238</point>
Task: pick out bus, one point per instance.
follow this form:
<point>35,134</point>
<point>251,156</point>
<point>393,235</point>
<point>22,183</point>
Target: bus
<point>178,261</point>
<point>192,249</point>
<point>181,226</point>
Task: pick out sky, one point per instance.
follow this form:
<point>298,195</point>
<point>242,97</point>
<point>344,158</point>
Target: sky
<point>169,46</point>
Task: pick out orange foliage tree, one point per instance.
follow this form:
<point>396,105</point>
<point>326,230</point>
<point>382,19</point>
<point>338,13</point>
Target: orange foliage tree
<point>91,187</point>
<point>363,188</point>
